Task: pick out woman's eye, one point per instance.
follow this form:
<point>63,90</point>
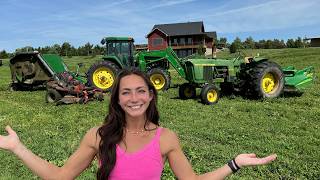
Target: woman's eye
<point>125,93</point>
<point>141,91</point>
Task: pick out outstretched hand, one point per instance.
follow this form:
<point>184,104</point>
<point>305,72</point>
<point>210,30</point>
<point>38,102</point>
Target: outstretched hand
<point>243,160</point>
<point>11,141</point>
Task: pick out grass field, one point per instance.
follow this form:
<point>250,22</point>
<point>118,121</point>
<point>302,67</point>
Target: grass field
<point>210,135</point>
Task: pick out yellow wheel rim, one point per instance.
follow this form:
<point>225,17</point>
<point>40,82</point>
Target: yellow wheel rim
<point>103,78</point>
<point>158,81</point>
<point>188,92</point>
<point>269,83</point>
<point>212,95</point>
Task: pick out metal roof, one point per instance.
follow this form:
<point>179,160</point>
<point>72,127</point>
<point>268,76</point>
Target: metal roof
<point>177,29</point>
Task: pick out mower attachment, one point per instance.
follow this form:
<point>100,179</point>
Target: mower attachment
<point>63,88</point>
<point>298,80</point>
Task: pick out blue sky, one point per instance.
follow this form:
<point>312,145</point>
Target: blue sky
<point>46,22</point>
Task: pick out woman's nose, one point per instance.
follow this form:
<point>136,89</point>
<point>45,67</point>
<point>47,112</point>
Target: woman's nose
<point>134,97</point>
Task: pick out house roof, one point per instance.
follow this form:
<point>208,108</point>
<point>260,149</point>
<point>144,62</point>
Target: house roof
<point>212,34</point>
<point>176,29</point>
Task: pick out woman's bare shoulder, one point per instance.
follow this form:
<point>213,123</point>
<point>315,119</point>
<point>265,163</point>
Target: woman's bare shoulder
<point>168,133</point>
<point>92,137</point>
<point>169,140</point>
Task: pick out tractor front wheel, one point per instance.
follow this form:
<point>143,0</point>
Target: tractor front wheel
<point>209,94</point>
<point>102,75</point>
<point>267,80</point>
<point>160,78</point>
<point>187,91</point>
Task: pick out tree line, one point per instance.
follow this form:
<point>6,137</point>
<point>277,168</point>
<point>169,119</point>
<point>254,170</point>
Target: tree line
<point>66,49</point>
<point>250,43</point>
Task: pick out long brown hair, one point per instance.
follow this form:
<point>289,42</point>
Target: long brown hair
<point>111,132</point>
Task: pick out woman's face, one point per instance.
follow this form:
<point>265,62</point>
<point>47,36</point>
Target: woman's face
<point>134,96</point>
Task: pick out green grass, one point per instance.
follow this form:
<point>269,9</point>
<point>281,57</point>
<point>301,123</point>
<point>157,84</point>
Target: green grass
<point>210,135</point>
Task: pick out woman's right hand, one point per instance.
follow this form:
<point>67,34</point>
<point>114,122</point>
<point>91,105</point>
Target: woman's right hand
<point>11,141</point>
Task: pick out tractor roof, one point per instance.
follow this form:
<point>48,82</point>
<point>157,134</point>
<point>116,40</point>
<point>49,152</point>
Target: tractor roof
<point>104,40</point>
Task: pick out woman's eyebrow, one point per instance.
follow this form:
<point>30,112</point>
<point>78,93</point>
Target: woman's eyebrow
<point>129,89</point>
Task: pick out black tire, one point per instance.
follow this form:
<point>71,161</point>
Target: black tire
<point>52,96</point>
<point>209,94</point>
<point>15,87</point>
<point>187,91</point>
<point>267,80</point>
<point>102,75</point>
<point>160,78</point>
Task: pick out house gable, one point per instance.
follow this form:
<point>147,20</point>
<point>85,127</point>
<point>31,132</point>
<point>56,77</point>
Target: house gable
<point>157,40</point>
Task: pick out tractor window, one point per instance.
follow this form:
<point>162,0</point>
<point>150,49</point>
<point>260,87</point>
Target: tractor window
<point>112,49</point>
<point>124,48</point>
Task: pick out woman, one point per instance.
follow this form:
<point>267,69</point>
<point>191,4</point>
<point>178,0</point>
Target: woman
<point>130,144</point>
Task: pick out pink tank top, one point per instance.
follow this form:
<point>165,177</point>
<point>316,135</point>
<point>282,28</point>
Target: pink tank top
<point>143,164</point>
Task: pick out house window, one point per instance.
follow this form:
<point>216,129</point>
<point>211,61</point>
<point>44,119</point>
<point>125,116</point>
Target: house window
<point>189,41</point>
<point>182,42</point>
<point>157,42</point>
<point>189,52</point>
<point>174,41</point>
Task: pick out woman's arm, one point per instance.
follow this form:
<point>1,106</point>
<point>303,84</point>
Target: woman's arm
<point>183,169</point>
<point>77,162</point>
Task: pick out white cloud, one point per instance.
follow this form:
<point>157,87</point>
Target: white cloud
<point>266,16</point>
<point>165,3</point>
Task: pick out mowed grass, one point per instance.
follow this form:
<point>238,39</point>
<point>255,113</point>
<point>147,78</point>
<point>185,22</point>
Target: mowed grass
<point>210,135</point>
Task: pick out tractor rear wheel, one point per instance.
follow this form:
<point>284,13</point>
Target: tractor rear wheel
<point>102,75</point>
<point>267,80</point>
<point>52,96</point>
<point>160,78</point>
<point>210,94</point>
<point>187,91</point>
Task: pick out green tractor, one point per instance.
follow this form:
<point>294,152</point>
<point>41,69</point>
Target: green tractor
<point>254,77</point>
<point>120,54</point>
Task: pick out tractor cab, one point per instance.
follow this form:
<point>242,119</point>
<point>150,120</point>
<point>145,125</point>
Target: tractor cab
<point>121,48</point>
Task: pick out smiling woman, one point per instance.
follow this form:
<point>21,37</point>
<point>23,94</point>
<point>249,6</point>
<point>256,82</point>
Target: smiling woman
<point>130,144</point>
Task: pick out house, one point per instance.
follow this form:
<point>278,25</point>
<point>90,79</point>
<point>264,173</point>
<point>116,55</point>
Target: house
<point>315,42</point>
<point>184,38</point>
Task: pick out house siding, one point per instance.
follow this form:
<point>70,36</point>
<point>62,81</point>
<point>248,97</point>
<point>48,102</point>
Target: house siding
<point>184,38</point>
<point>155,36</point>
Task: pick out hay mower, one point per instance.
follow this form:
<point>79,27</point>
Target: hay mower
<point>32,70</point>
<point>254,77</point>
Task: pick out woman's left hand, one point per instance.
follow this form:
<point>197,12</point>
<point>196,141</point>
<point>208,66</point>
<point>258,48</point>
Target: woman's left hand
<point>243,160</point>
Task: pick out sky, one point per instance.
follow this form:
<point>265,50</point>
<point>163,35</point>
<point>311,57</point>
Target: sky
<point>40,23</point>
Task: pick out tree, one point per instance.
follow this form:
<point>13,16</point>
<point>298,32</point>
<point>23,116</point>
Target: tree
<point>290,43</point>
<point>268,44</point>
<point>88,48</point>
<point>98,50</point>
<point>55,49</point>
<point>249,43</point>
<point>236,45</point>
<point>298,43</point>
<point>222,42</point>
<point>277,44</point>
<point>25,49</point>
<point>4,54</point>
<point>201,50</point>
<point>65,48</point>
